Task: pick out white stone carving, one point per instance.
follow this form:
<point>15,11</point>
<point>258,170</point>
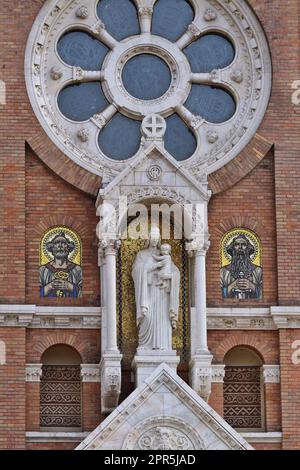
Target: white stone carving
<point>210,14</point>
<point>83,135</point>
<point>33,372</point>
<point>164,401</point>
<point>154,127</point>
<point>110,382</point>
<point>237,76</point>
<point>167,433</point>
<point>234,17</point>
<point>56,73</point>
<point>82,12</point>
<point>212,136</point>
<point>271,374</point>
<point>90,372</point>
<point>217,373</point>
<point>154,172</point>
<point>157,284</point>
<point>201,374</point>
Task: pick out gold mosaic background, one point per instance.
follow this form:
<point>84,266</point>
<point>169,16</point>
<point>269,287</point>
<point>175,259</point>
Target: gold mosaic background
<point>127,326</point>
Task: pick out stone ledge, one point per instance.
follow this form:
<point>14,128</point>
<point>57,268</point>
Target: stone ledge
<point>56,436</point>
<point>32,316</point>
<point>262,437</point>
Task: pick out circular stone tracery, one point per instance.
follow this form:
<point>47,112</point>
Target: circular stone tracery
<point>247,77</point>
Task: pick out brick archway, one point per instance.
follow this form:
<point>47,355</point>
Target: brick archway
<point>242,339</point>
<point>61,338</point>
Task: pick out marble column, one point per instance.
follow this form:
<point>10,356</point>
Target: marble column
<point>201,358</point>
<point>111,358</point>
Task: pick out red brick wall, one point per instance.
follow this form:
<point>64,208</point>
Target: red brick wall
<point>51,201</point>
<point>86,343</point>
<point>290,390</point>
<point>12,390</point>
<point>282,126</point>
<point>250,204</point>
<point>32,406</point>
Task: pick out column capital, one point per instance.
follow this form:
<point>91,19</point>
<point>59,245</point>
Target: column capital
<point>271,374</point>
<point>90,372</point>
<point>33,372</point>
<point>108,246</point>
<point>217,373</point>
<point>199,246</point>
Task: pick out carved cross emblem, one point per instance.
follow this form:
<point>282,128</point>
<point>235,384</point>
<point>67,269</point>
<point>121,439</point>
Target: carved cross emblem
<point>154,126</point>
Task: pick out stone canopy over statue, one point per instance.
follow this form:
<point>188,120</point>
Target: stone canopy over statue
<point>157,284</point>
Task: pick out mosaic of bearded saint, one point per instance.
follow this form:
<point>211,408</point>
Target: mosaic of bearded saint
<point>241,279</point>
<point>60,277</point>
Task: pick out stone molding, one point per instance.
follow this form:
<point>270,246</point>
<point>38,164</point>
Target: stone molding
<point>286,317</point>
<point>271,374</point>
<point>90,373</point>
<point>33,316</point>
<point>262,437</point>
<point>33,372</point>
<point>55,436</point>
<point>223,318</point>
<point>240,318</point>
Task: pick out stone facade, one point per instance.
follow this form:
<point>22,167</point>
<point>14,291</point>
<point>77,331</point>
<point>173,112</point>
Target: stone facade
<point>41,187</point>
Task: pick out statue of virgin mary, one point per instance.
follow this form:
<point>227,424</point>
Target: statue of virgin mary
<point>156,296</point>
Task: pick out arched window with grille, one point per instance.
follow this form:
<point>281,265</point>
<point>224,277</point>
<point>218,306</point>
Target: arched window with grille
<point>60,397</point>
<point>243,391</point>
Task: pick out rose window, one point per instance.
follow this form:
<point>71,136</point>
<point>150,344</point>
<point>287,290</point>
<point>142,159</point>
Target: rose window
<point>98,68</point>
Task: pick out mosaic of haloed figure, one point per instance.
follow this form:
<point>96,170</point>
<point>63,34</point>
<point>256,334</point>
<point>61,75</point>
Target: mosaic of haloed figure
<point>60,264</point>
<point>241,271</point>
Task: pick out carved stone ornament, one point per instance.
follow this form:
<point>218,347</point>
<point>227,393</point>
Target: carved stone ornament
<point>212,136</point>
<point>83,135</point>
<point>210,15</point>
<point>82,12</point>
<point>248,77</point>
<point>110,382</point>
<point>163,433</point>
<point>237,76</point>
<point>56,73</point>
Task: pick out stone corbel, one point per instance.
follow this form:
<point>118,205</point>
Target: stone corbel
<point>110,382</point>
<point>201,375</point>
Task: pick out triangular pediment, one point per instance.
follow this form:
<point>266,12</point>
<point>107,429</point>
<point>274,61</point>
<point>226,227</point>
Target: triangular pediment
<point>164,413</point>
<point>155,167</point>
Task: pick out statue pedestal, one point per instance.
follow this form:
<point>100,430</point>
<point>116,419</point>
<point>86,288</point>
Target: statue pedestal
<point>146,361</point>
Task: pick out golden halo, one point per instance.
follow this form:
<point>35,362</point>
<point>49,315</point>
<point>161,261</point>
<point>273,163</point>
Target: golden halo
<point>251,237</point>
<point>46,256</point>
